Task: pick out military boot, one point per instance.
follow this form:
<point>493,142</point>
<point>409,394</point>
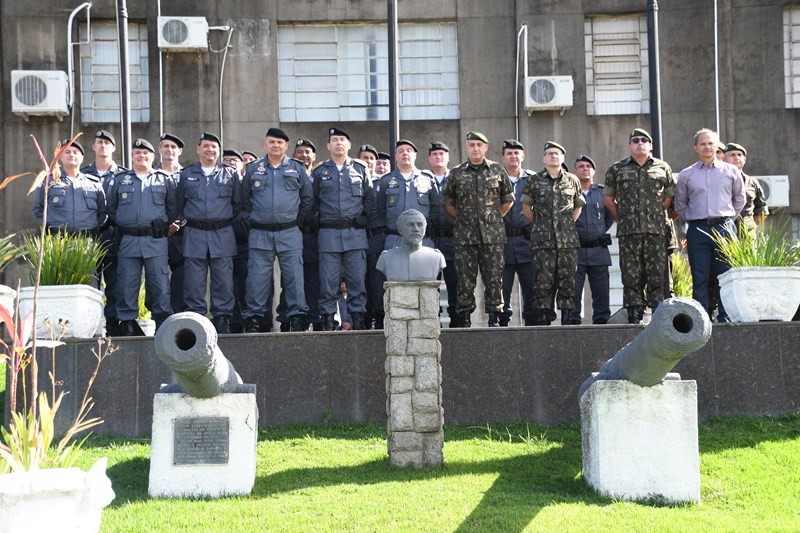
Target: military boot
<point>112,327</point>
<point>635,315</point>
<point>328,323</point>
<point>566,318</point>
<point>464,320</point>
<point>358,321</point>
<point>252,324</point>
<point>540,317</point>
<point>379,321</point>
<point>222,324</point>
<point>455,321</point>
<point>493,320</point>
<point>296,323</point>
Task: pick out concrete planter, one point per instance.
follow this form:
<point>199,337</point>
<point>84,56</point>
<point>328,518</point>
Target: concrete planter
<point>7,297</point>
<point>81,305</point>
<point>751,294</point>
<point>58,499</point>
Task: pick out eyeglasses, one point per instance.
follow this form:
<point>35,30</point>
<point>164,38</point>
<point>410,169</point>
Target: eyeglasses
<point>552,153</point>
<point>637,140</point>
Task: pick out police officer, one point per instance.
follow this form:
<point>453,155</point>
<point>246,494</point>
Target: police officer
<point>638,191</point>
<point>276,196</point>
<point>552,201</point>
<point>171,147</point>
<point>376,236</point>
<point>142,203</point>
<point>383,165</point>
<point>477,196</point>
<point>209,198</point>
<point>441,224</point>
<point>104,167</point>
<point>593,255</point>
<point>755,208</point>
<point>342,197</point>
<point>76,203</point>
<point>235,159</point>
<point>248,157</point>
<point>517,251</point>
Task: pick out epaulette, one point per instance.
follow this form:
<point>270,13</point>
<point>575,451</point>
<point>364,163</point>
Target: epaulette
<point>361,162</point>
<point>91,177</point>
<point>298,161</point>
<point>317,165</point>
<point>160,171</point>
<point>428,173</point>
<point>601,185</point>
<point>120,170</point>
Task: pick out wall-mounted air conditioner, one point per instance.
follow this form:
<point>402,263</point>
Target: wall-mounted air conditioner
<point>776,189</point>
<point>547,93</point>
<point>183,34</point>
<point>40,93</point>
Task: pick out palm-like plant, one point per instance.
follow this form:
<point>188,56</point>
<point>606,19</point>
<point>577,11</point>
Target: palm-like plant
<point>769,247</point>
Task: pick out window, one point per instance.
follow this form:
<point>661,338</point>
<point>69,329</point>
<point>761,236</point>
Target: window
<point>341,73</point>
<point>100,98</point>
<point>617,80</point>
<point>791,55</point>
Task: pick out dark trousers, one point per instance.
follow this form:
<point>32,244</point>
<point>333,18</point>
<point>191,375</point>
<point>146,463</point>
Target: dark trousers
<point>704,260</point>
<point>598,282</point>
<point>524,271</point>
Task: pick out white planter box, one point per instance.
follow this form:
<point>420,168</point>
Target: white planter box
<point>148,326</point>
<point>57,499</point>
<point>81,305</point>
<point>751,294</point>
<point>7,297</point>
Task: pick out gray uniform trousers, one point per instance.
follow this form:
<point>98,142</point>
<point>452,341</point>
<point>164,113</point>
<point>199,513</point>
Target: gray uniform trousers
<point>287,246</point>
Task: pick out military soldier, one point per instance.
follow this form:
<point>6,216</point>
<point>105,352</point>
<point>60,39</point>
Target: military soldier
<point>477,196</point>
<point>517,252</point>
<point>171,147</point>
<point>755,209</point>
<point>441,224</point>
<point>342,197</point>
<point>376,235</point>
<point>593,255</point>
<point>76,203</point>
<point>638,191</point>
<point>209,198</point>
<point>234,159</point>
<point>276,197</point>
<point>552,201</point>
<point>104,167</point>
<point>142,203</point>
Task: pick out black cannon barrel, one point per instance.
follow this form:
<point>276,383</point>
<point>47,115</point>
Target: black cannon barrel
<point>678,327</point>
<point>187,344</point>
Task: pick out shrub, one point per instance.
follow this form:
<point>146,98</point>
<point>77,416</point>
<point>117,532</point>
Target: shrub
<point>67,259</point>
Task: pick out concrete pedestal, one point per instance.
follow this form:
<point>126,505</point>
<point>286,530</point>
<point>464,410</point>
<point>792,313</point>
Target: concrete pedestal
<point>187,473</point>
<point>641,442</point>
<point>413,374</point>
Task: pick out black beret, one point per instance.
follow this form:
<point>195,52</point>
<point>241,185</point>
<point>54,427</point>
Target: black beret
<point>306,142</point>
<point>205,136</point>
<point>338,131</point>
<point>174,138</point>
<point>384,155</point>
<point>438,145</point>
<point>143,144</point>
<point>732,147</point>
<point>105,134</point>
<point>278,134</point>
<point>76,144</point>
<point>553,144</point>
<point>513,143</point>
<point>401,142</point>
<point>248,152</point>
<point>229,152</point>
<point>584,157</point>
<point>477,136</point>
<point>640,132</point>
<point>368,148</point>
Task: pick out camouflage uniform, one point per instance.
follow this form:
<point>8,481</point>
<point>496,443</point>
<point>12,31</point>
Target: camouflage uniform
<point>755,204</point>
<point>554,238</point>
<point>640,192</point>
<point>477,192</point>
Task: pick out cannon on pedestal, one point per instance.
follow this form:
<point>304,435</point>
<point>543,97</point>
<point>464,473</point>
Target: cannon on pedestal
<point>679,326</point>
<point>187,344</point>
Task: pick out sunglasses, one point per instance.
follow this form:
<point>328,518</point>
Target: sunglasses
<point>637,140</point>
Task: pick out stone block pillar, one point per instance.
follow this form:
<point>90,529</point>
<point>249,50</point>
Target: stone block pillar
<point>413,374</point>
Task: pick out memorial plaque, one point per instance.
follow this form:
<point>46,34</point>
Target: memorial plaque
<point>201,440</point>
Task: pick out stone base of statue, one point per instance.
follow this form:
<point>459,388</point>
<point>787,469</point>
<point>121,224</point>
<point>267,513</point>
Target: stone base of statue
<point>204,447</point>
<point>413,374</point>
<point>641,443</point>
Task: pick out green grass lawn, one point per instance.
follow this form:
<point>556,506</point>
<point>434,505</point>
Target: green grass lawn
<point>498,478</point>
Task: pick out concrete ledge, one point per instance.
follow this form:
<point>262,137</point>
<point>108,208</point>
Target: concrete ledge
<point>497,374</point>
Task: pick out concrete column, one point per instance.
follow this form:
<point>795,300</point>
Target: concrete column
<point>413,374</point>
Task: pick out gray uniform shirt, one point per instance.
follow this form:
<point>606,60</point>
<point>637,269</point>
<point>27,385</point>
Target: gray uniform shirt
<point>74,204</point>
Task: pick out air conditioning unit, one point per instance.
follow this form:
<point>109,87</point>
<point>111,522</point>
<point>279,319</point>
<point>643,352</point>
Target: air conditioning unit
<point>776,189</point>
<point>39,93</point>
<point>547,93</point>
<point>183,34</point>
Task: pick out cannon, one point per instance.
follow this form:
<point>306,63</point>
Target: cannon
<point>679,326</point>
<point>187,344</point>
